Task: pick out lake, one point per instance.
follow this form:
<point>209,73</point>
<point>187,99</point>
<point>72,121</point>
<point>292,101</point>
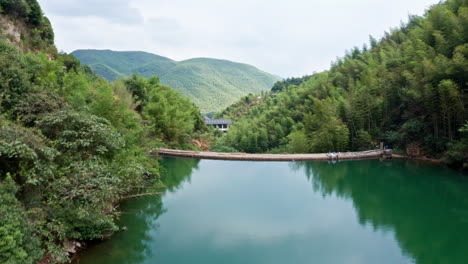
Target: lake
<point>369,211</point>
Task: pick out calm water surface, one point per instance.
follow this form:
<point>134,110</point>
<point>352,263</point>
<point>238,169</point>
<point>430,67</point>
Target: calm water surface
<point>299,212</point>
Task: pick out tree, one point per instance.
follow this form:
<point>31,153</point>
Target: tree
<point>323,128</point>
<point>457,153</point>
<point>35,13</point>
<point>81,136</point>
<point>18,8</point>
<point>170,115</point>
<point>18,243</point>
<point>298,142</point>
<point>138,87</point>
<point>409,83</point>
<point>363,140</point>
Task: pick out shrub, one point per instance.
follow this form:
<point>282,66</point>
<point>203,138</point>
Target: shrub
<point>364,140</point>
<point>36,105</point>
<point>298,142</point>
<point>25,155</point>
<point>18,244</point>
<point>457,153</point>
<point>81,135</point>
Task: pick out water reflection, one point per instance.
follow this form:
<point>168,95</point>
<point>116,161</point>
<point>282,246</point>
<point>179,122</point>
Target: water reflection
<point>130,246</point>
<point>138,219</point>
<point>176,171</point>
<point>260,212</point>
<point>426,206</point>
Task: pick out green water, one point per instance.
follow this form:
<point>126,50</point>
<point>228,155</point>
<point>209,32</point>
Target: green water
<point>299,212</point>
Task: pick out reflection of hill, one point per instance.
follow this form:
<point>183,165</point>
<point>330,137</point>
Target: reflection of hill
<point>426,206</point>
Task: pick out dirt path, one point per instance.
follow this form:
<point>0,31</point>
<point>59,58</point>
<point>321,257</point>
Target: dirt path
<point>271,157</point>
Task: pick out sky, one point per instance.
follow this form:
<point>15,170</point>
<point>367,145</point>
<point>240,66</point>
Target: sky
<point>289,38</point>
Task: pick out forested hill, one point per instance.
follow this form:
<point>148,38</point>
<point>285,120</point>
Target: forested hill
<point>211,84</point>
<point>243,105</point>
<point>408,89</point>
<point>72,145</point>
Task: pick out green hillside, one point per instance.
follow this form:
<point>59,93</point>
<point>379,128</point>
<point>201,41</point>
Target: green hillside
<point>408,89</point>
<point>212,84</point>
<point>73,145</point>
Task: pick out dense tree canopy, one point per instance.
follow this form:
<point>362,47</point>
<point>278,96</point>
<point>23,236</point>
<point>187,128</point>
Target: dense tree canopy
<point>72,145</point>
<point>284,84</point>
<point>243,106</point>
<point>409,88</point>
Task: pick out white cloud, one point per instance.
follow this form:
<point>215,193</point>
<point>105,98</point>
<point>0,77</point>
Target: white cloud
<point>116,11</point>
<point>289,38</point>
<point>166,31</point>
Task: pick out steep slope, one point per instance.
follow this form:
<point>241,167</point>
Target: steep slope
<point>212,84</point>
<point>408,90</point>
<point>72,145</point>
<point>23,25</point>
<point>244,104</point>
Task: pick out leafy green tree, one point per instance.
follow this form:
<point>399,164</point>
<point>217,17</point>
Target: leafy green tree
<point>138,87</point>
<point>324,130</point>
<point>364,140</point>
<point>409,87</point>
<point>72,144</point>
<point>35,14</point>
<point>13,77</point>
<point>457,154</point>
<point>18,8</point>
<point>80,135</point>
<point>18,244</point>
<point>298,142</point>
<point>170,115</point>
<point>36,105</point>
<point>25,156</point>
<point>85,214</point>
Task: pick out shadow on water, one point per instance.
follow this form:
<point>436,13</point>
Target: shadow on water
<point>425,205</point>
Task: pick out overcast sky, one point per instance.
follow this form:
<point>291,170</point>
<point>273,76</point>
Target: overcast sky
<point>287,37</point>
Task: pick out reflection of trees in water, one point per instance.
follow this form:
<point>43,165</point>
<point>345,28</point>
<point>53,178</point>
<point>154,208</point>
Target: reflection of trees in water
<point>325,185</point>
<point>139,217</point>
<point>175,171</point>
<point>426,206</point>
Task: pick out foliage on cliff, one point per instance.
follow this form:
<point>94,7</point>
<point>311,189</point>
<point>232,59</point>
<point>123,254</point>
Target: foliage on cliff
<point>26,19</point>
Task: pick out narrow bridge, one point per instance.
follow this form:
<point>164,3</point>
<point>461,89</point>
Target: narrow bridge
<point>370,154</point>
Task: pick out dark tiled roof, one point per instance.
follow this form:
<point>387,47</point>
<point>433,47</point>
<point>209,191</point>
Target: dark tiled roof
<point>218,121</point>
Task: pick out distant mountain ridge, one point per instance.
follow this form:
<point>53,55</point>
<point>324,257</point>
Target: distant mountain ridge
<point>212,84</point>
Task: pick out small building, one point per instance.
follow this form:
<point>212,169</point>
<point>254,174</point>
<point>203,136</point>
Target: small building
<point>220,124</point>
